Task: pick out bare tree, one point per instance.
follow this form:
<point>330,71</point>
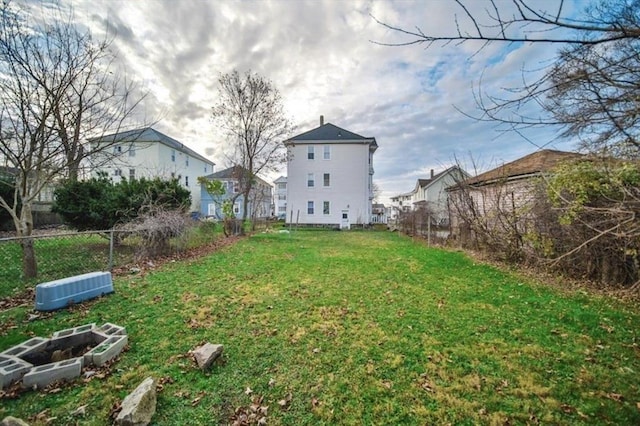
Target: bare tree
<point>250,110</point>
<point>590,90</point>
<point>56,89</point>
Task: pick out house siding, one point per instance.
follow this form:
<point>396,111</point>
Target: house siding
<point>154,159</point>
<point>350,186</point>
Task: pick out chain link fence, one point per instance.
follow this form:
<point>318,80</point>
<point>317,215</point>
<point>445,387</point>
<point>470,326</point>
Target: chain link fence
<point>63,254</point>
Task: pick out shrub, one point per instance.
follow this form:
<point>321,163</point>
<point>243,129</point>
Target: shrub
<point>98,203</point>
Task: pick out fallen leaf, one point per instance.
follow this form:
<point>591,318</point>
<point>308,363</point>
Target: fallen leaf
<point>248,391</point>
<point>315,402</point>
<point>284,403</point>
<point>272,382</point>
<point>615,396</point>
<point>567,408</point>
<point>80,411</point>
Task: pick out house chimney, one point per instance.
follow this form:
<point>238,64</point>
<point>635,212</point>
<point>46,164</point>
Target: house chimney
<point>322,120</point>
<point>431,173</point>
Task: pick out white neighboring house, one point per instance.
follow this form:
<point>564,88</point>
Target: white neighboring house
<point>330,177</point>
<point>431,194</point>
<point>148,153</point>
<point>280,197</point>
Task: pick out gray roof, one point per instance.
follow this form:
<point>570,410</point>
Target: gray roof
<point>149,134</point>
<point>331,133</point>
<point>231,173</point>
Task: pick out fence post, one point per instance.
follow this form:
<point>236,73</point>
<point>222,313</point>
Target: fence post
<point>111,250</point>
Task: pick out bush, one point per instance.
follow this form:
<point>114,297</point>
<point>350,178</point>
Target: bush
<point>157,228</point>
<point>98,203</point>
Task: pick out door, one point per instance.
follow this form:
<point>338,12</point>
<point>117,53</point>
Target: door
<point>344,223</point>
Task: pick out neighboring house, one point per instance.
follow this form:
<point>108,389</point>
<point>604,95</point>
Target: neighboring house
<point>430,194</point>
<point>280,196</point>
<point>41,204</point>
<point>330,177</point>
<point>148,153</point>
<point>506,191</point>
<point>260,197</point>
<point>379,213</point>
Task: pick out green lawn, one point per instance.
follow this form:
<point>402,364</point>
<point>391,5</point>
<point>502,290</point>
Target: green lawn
<point>352,328</point>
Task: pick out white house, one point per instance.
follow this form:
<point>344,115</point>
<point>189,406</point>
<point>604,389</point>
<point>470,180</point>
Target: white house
<point>280,197</point>
<point>431,194</point>
<point>330,177</point>
<point>148,153</point>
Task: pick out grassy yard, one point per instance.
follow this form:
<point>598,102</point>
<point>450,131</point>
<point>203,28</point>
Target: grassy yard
<point>351,328</point>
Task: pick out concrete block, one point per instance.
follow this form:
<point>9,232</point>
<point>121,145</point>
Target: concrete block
<point>32,345</point>
<point>72,337</point>
<point>107,330</point>
<point>12,369</point>
<point>106,350</point>
<point>43,375</point>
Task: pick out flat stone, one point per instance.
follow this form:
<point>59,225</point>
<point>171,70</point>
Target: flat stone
<point>206,354</point>
<point>139,406</point>
<point>13,421</point>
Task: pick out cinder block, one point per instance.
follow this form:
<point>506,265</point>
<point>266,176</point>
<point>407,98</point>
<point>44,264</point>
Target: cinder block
<point>32,345</point>
<point>12,369</point>
<point>111,329</point>
<point>46,374</point>
<point>106,350</point>
<point>77,336</point>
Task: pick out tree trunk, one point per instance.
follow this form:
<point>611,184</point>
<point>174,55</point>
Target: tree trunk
<point>25,229</point>
<point>245,209</point>
<point>29,263</point>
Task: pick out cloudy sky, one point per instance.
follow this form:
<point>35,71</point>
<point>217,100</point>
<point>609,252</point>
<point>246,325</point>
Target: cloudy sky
<point>320,55</point>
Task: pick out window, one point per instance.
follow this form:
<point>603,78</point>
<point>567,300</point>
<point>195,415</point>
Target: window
<point>326,152</point>
<point>236,208</point>
<point>117,172</point>
<point>117,149</point>
<point>173,155</point>
<point>132,151</point>
<point>205,168</point>
<point>282,209</point>
<point>310,152</point>
<point>173,175</point>
<point>310,180</point>
<point>325,207</point>
<point>132,174</point>
<point>186,161</point>
<point>309,207</point>
<point>282,186</point>
<point>186,181</point>
<point>282,197</point>
<point>236,187</point>
<point>326,181</point>
<point>211,209</point>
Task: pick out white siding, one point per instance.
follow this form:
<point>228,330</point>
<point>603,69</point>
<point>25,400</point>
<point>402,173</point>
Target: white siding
<point>153,159</point>
<point>350,183</point>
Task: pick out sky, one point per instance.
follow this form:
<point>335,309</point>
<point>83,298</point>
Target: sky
<point>323,57</point>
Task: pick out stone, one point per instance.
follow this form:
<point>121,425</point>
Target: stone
<point>206,354</point>
<point>13,421</point>
<point>139,406</point>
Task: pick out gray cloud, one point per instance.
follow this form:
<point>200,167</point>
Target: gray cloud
<point>320,56</point>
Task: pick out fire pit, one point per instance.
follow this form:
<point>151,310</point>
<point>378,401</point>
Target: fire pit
<point>38,362</point>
